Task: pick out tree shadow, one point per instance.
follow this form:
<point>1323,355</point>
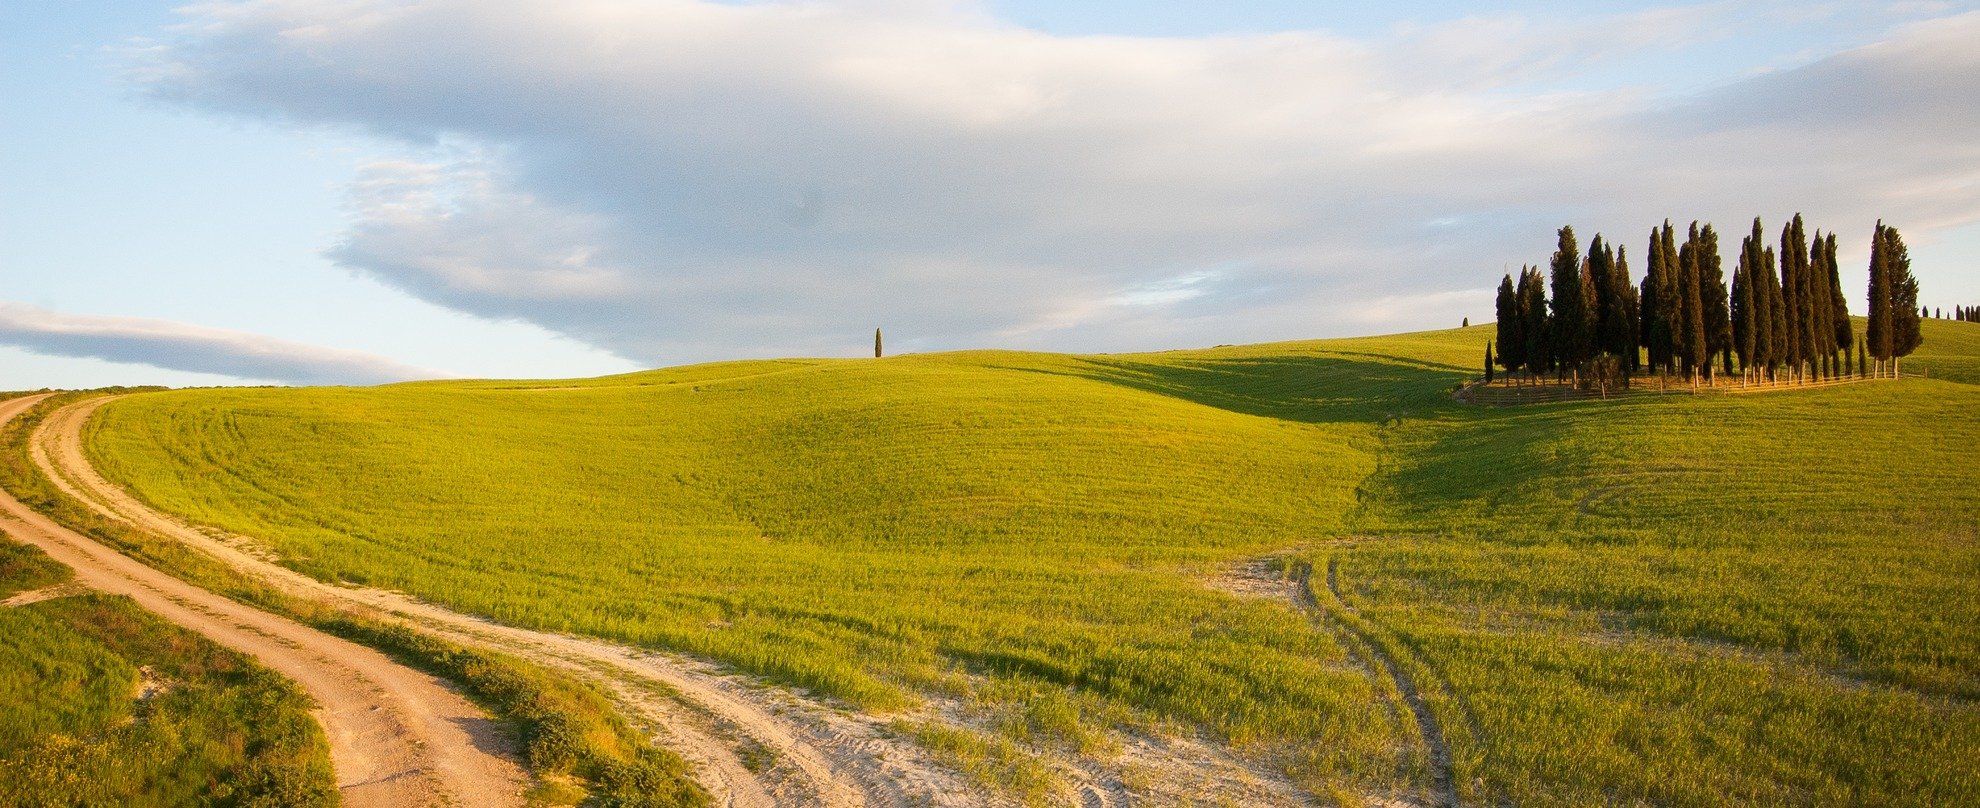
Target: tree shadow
<point>1334,387</point>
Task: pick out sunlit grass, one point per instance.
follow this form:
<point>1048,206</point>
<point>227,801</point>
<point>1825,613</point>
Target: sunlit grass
<point>1686,601</point>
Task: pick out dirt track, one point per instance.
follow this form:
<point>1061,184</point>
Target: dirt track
<point>820,757</point>
<point>398,737</point>
<point>816,755</point>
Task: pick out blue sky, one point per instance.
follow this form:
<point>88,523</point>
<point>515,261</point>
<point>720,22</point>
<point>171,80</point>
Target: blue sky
<point>303,192</point>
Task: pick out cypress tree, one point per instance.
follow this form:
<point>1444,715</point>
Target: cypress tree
<point>1570,322</point>
<point>1653,329</point>
<point>1511,334</point>
<point>1879,335</point>
<point>1777,333</point>
<point>1695,348</point>
<point>1712,286</point>
<point>1742,305</point>
<point>1533,307</point>
<point>1794,288</point>
<point>1673,296</point>
<point>1686,274</point>
<point>1906,335</point>
<point>1811,342</point>
<point>1599,277</point>
<point>1488,362</point>
<point>1841,331</point>
<point>1758,274</point>
<point>876,343</point>
<point>1591,304</point>
<point>1821,332</point>
<point>1623,336</point>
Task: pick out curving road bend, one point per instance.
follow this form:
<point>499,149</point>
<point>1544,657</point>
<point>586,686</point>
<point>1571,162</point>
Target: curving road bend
<point>822,759</point>
<point>398,737</point>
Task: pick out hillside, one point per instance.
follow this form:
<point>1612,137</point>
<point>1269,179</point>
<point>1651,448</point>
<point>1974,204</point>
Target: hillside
<point>1768,599</point>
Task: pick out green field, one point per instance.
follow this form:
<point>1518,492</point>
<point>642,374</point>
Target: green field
<point>105,704</point>
<point>1761,599</point>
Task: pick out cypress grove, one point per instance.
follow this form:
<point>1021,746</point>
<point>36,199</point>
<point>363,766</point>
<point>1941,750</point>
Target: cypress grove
<point>1782,310</point>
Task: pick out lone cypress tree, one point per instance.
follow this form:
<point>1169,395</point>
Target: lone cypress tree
<point>1512,327</point>
<point>1906,335</point>
<point>876,343</point>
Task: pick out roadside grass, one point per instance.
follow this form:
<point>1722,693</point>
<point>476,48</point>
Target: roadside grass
<point>578,746</point>
<point>208,727</point>
<point>1764,599</point>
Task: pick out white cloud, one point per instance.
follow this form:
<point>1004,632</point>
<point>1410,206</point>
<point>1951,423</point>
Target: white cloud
<point>674,179</point>
<point>199,349</point>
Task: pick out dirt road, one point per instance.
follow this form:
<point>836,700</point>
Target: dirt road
<point>398,737</point>
<point>818,756</point>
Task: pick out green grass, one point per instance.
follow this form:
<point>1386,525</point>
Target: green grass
<point>580,748</point>
<point>995,762</point>
<point>221,730</point>
<point>1765,599</point>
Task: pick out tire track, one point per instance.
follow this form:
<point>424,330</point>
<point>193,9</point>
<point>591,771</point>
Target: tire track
<point>704,716</point>
<point>397,737</point>
<point>1443,786</point>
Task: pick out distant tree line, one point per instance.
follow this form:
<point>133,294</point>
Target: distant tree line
<point>1783,316</point>
<point>1964,314</point>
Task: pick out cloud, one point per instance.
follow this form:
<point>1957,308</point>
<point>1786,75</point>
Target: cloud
<point>675,179</point>
<point>179,346</point>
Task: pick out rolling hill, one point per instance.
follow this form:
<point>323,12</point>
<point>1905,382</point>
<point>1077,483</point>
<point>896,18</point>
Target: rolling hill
<point>1761,599</point>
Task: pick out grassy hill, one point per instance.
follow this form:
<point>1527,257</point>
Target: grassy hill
<point>1768,599</point>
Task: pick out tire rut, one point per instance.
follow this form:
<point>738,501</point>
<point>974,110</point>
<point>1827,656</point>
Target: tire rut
<point>1443,785</point>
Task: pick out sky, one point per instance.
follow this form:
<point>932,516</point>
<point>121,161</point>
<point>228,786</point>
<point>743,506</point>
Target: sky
<point>364,191</point>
